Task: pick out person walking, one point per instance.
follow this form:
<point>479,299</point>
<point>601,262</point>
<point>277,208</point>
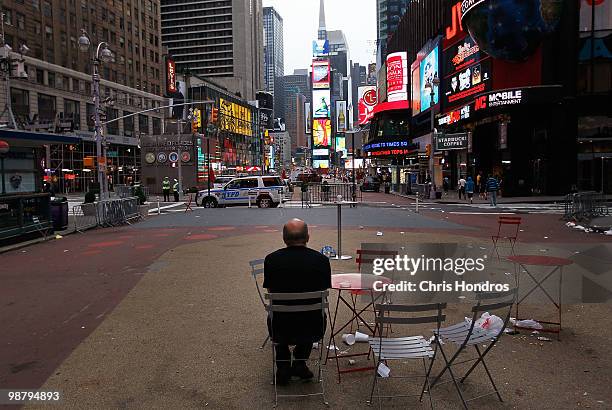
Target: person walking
<point>461,187</point>
<point>166,189</point>
<point>469,189</point>
<point>492,188</point>
<point>175,190</point>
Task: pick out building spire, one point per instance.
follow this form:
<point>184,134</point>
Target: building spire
<point>322,33</point>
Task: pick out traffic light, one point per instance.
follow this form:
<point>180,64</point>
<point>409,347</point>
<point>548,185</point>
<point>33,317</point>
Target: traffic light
<point>214,115</point>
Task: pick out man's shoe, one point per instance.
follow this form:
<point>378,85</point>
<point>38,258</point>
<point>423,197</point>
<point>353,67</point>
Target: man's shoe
<point>299,369</point>
<point>283,376</point>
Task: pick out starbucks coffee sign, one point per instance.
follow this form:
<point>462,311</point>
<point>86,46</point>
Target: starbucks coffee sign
<point>447,142</point>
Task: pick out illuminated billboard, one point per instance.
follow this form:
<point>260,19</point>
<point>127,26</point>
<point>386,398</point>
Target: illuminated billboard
<point>320,48</point>
<point>415,100</point>
<point>341,116</point>
<point>367,101</point>
<point>321,104</point>
<point>397,77</point>
<point>428,71</point>
<point>320,74</point>
<point>235,118</point>
<point>321,133</point>
<point>320,152</point>
<point>341,145</point>
<point>320,163</point>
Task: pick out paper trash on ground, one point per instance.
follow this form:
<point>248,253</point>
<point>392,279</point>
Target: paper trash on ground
<point>383,370</point>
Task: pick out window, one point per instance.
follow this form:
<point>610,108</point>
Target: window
<point>157,126</point>
<point>90,109</point>
<point>128,124</point>
<point>47,9</point>
<point>8,17</point>
<point>72,111</point>
<point>20,100</point>
<point>143,124</point>
<point>113,127</point>
<point>272,181</point>
<point>46,108</point>
<point>40,76</point>
<point>248,183</point>
<point>20,19</point>
<point>48,33</point>
<point>51,79</point>
<point>36,4</point>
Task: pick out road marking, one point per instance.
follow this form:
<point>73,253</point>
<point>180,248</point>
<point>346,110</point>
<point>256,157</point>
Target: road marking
<point>482,213</point>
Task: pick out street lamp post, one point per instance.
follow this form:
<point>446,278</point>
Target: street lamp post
<point>102,55</point>
<point>432,85</point>
<point>6,66</point>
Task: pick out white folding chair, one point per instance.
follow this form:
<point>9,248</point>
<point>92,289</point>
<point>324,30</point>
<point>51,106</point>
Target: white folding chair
<point>275,308</point>
<point>387,349</point>
<point>257,269</point>
<point>466,334</point>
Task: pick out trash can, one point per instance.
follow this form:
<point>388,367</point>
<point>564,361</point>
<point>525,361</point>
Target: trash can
<point>59,213</point>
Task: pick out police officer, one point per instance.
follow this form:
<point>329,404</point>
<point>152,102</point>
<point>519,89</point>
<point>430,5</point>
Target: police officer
<point>175,190</point>
<point>166,189</point>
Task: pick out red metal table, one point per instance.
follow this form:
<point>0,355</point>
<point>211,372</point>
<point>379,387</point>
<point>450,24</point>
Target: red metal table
<point>541,261</point>
<point>350,282</point>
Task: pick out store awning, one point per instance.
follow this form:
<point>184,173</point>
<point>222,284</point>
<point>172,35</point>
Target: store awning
<point>35,139</point>
<point>391,106</point>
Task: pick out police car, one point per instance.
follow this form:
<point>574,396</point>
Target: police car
<point>263,191</point>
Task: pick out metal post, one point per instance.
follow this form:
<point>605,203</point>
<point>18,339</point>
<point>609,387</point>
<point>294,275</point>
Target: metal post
<point>602,174</point>
<point>339,230</point>
<point>433,146</point>
<point>417,203</point>
<point>208,167</point>
<point>101,179</point>
<point>2,170</point>
<point>179,128</point>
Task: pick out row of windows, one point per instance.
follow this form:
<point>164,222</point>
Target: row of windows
<point>222,35</point>
<point>189,27</point>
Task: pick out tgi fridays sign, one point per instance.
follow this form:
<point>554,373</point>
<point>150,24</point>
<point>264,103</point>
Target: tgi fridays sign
<point>447,142</point>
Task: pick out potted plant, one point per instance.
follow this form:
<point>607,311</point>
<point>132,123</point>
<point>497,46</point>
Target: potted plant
<point>142,198</point>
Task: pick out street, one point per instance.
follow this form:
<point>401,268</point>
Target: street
<point>164,313</point>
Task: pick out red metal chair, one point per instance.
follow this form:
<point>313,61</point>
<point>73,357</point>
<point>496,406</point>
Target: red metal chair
<point>508,229</point>
<point>366,257</point>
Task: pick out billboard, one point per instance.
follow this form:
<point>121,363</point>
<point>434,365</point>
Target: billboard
<point>467,72</point>
<point>320,152</point>
<point>367,102</point>
<point>320,74</point>
<point>170,76</point>
<point>341,116</point>
<point>321,104</point>
<point>321,132</point>
<point>397,77</point>
<point>341,145</point>
<point>235,118</point>
<point>428,71</point>
<point>415,93</point>
<point>320,163</point>
<point>320,48</point>
<point>307,118</point>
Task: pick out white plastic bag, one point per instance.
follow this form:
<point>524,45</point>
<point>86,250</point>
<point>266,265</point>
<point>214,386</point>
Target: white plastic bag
<point>490,323</point>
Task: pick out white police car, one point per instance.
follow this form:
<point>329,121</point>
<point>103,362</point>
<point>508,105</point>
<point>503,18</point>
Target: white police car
<point>264,191</point>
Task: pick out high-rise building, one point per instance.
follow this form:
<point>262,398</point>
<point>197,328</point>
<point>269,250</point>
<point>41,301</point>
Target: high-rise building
<point>56,94</point>
<point>296,91</point>
<point>322,31</point>
<point>218,40</point>
<point>359,78</point>
<point>388,15</point>
<point>273,47</point>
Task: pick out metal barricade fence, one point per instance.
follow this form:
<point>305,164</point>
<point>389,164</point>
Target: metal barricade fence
<point>112,212</point>
<point>324,193</point>
<point>585,205</point>
<point>128,191</point>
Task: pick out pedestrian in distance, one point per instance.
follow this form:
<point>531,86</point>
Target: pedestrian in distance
<point>492,188</point>
<point>445,184</point>
<point>461,188</point>
<point>469,189</point>
<point>175,190</point>
<point>166,189</point>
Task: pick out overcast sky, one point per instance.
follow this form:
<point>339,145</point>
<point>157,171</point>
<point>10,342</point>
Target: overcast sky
<point>356,18</point>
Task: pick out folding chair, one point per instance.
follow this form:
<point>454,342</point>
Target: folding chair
<point>404,348</point>
<point>508,233</point>
<point>366,257</point>
<point>466,334</point>
<point>257,268</point>
<point>274,308</point>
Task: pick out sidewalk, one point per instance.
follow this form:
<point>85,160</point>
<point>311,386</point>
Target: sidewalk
<point>453,198</point>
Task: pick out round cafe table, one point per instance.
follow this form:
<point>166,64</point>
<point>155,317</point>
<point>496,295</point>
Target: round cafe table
<point>353,282</point>
<point>541,261</point>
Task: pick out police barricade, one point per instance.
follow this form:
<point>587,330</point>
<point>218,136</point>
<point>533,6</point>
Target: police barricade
<point>128,191</point>
<point>326,193</point>
<point>585,205</point>
<point>113,212</point>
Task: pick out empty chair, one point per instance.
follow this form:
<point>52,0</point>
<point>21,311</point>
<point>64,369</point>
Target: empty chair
<point>257,269</point>
<point>407,348</point>
<point>467,334</point>
<point>507,230</point>
<point>281,308</point>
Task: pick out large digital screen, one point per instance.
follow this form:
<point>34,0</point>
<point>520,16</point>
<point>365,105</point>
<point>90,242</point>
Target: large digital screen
<point>321,104</point>
<point>428,71</point>
<point>320,48</point>
<point>320,163</point>
<point>320,152</point>
<point>397,77</point>
<point>341,116</point>
<point>321,133</point>
<point>367,101</point>
<point>415,100</point>
<point>467,72</point>
<point>320,74</point>
<point>341,145</point>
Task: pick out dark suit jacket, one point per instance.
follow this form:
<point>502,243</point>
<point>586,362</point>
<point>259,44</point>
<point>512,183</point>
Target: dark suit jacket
<point>292,270</point>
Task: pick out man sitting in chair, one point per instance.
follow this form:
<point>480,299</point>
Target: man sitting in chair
<point>296,269</point>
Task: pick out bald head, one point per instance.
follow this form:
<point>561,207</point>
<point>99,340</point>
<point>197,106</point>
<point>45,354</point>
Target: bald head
<point>295,233</point>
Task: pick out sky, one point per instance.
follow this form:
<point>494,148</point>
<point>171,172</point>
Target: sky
<point>356,18</point>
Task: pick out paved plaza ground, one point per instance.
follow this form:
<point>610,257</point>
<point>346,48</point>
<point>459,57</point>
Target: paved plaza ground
<point>164,314</point>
